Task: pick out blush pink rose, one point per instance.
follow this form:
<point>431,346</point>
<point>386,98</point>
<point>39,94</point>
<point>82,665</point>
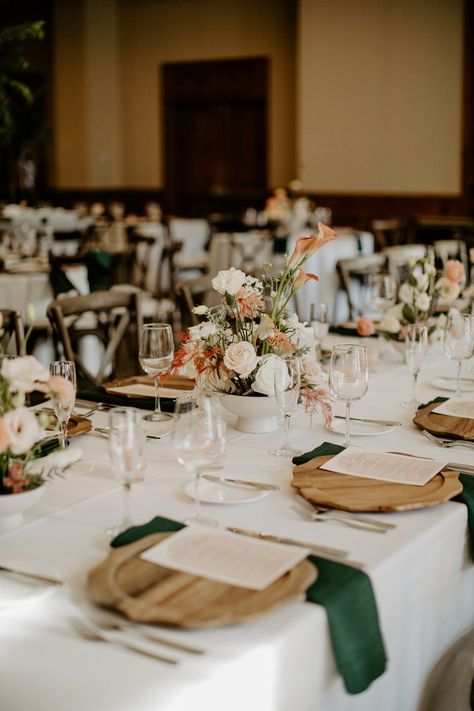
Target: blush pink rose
<point>365,327</point>
<point>454,271</point>
<point>241,358</point>
<point>62,389</point>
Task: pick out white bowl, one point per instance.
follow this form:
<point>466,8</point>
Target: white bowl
<point>255,414</point>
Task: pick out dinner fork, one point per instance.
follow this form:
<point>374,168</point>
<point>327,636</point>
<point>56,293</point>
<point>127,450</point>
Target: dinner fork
<point>356,517</point>
<point>99,406</point>
<point>115,626</point>
<point>323,517</point>
<point>443,442</point>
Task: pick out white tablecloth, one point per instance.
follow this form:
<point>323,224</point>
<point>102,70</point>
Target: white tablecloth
<point>421,574</point>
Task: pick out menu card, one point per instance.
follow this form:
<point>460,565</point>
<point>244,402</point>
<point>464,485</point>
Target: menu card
<point>226,557</point>
<point>456,408</point>
<point>397,468</point>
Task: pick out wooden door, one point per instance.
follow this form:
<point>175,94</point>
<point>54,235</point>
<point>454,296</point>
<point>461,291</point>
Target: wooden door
<point>215,135</point>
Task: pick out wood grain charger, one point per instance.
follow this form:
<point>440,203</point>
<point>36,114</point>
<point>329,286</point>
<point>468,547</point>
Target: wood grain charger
<point>455,427</point>
<point>146,592</point>
<point>177,382</point>
<point>76,426</point>
<point>353,493</point>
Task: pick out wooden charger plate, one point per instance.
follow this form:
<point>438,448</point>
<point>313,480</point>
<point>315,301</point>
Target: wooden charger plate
<point>353,493</point>
<point>455,427</point>
<point>76,426</point>
<point>146,592</point>
<point>177,382</point>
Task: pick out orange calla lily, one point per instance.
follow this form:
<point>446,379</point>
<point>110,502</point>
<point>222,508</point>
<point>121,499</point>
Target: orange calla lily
<point>302,278</point>
<point>306,246</point>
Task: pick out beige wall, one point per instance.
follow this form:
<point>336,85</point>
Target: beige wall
<point>118,56</point>
<point>380,92</point>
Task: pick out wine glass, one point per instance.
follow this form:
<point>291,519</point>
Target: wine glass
<point>156,355</point>
<point>382,292</point>
<point>63,399</point>
<point>127,456</point>
<point>416,342</point>
<point>197,442</point>
<point>348,377</point>
<point>320,324</point>
<point>459,342</point>
<point>287,390</point>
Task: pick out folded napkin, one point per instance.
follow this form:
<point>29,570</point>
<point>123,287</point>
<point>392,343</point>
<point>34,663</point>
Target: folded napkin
<point>97,394</point>
<point>435,399</point>
<point>49,445</point>
<point>467,480</point>
<point>348,331</point>
<point>346,594</point>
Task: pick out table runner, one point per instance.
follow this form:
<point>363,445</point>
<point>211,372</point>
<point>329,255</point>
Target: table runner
<point>347,595</point>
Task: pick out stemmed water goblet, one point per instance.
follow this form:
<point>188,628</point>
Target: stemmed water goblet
<point>63,397</point>
<point>382,292</point>
<point>287,377</point>
<point>320,324</point>
<point>459,342</point>
<point>416,342</point>
<point>348,377</point>
<point>127,456</point>
<point>156,355</point>
<point>198,442</point>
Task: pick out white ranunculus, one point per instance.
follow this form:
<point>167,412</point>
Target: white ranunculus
<point>200,310</point>
<point>24,373</point>
<point>389,324</point>
<point>272,371</point>
<point>203,330</point>
<point>422,302</point>
<point>406,294</point>
<point>422,282</point>
<point>241,358</point>
<point>229,281</point>
<point>22,428</point>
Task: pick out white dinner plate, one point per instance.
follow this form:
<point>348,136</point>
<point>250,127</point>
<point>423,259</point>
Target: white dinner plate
<point>211,493</point>
<point>359,429</point>
<point>449,384</point>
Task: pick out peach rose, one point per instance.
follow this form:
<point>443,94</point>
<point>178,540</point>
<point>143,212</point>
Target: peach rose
<point>455,271</point>
<point>306,246</point>
<point>365,327</point>
<point>241,358</point>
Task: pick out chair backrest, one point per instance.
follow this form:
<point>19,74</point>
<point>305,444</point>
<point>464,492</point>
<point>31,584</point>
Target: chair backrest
<point>391,231</point>
<point>353,272</point>
<point>12,333</point>
<point>193,234</point>
<point>447,249</point>
<point>59,274</point>
<point>114,317</point>
<point>220,250</point>
<point>399,256</point>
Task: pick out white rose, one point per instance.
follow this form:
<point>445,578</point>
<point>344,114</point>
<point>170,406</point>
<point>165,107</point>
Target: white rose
<point>422,302</point>
<point>200,310</point>
<point>24,373</point>
<point>241,358</point>
<point>422,282</point>
<point>272,371</point>
<point>229,281</point>
<point>22,429</point>
<point>389,324</point>
<point>202,330</point>
<point>311,368</point>
<point>406,294</point>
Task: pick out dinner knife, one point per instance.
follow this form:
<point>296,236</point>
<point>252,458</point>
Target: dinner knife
<point>35,577</point>
<point>105,431</point>
<point>387,423</point>
<point>242,482</point>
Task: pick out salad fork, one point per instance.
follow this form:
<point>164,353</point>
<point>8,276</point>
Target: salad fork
<point>444,442</point>
<point>356,517</point>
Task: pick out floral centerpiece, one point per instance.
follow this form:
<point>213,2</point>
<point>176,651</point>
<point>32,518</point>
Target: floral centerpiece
<point>238,348</point>
<point>420,295</point>
<point>22,431</point>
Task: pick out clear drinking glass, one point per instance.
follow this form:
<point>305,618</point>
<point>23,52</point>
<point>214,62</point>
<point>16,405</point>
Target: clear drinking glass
<point>348,377</point>
<point>127,456</point>
<point>382,292</point>
<point>416,342</point>
<point>320,324</point>
<point>197,442</point>
<point>459,342</point>
<point>63,402</point>
<point>287,391</point>
<point>156,355</point>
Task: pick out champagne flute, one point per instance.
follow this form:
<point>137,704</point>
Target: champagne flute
<point>197,442</point>
<point>156,355</point>
<point>459,342</point>
<point>416,342</point>
<point>127,456</point>
<point>320,324</point>
<point>63,400</point>
<point>348,377</point>
<point>287,390</point>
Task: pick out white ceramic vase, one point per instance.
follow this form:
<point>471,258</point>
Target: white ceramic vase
<point>12,506</point>
<point>255,414</point>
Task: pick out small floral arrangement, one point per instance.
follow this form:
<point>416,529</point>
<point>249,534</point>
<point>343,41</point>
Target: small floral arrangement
<point>21,429</point>
<point>239,346</point>
<point>420,294</point>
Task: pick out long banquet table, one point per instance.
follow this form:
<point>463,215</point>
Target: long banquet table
<point>421,572</point>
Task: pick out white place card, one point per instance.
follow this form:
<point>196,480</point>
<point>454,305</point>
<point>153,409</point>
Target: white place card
<point>456,408</point>
<point>397,468</point>
<point>226,557</point>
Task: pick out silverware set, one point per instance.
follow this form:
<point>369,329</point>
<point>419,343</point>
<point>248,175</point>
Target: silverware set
<point>353,520</point>
<point>446,442</point>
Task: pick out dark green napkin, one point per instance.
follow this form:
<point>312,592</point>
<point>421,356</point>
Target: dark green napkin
<point>435,399</point>
<point>48,446</point>
<point>96,394</point>
<point>346,594</point>
<point>347,331</point>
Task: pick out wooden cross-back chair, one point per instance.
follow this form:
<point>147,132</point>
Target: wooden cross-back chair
<point>114,317</point>
<point>12,332</point>
<point>356,270</point>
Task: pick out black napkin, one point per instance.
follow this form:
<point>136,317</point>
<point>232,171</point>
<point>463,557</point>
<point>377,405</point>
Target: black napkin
<point>96,394</point>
